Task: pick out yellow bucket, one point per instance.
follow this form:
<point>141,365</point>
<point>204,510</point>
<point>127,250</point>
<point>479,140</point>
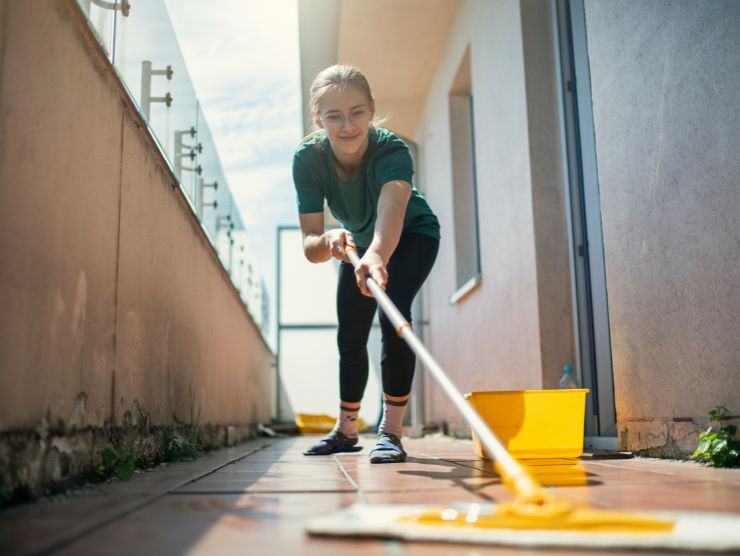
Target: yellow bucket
<point>318,423</point>
<point>533,423</point>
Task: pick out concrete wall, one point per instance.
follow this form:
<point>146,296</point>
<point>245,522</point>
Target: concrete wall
<point>665,79</point>
<point>114,303</point>
<point>514,330</point>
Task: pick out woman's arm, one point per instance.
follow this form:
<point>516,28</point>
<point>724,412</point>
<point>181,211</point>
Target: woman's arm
<point>394,197</point>
<point>320,246</point>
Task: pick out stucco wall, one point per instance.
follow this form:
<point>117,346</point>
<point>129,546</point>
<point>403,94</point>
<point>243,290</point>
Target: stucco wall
<point>665,78</point>
<point>113,301</point>
<point>513,331</point>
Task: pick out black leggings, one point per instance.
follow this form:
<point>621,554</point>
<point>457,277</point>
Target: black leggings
<point>407,268</point>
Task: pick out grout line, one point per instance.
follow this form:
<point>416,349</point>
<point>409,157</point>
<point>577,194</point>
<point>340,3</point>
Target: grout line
<point>408,490</point>
<point>682,477</point>
<point>360,494</point>
<point>199,477</point>
<point>671,473</point>
<point>583,497</point>
<point>128,511</point>
<point>630,468</point>
<point>470,466</point>
<point>606,483</point>
<point>257,492</point>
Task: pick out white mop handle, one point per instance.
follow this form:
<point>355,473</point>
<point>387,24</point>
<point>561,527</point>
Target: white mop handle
<point>486,435</point>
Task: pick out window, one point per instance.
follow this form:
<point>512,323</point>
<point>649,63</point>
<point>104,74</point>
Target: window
<point>464,195</point>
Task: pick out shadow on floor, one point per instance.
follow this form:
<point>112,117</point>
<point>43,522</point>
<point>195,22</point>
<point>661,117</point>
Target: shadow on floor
<point>549,473</point>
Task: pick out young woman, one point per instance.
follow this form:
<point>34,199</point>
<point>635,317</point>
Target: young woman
<point>364,173</point>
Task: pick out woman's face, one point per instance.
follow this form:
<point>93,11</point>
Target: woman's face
<point>346,117</point>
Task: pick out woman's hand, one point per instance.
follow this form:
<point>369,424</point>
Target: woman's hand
<point>337,241</point>
<point>371,264</point>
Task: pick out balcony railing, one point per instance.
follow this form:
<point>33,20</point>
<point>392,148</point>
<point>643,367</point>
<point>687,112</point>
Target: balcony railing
<point>140,41</point>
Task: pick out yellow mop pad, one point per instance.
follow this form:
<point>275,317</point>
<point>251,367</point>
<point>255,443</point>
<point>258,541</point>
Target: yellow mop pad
<point>466,523</point>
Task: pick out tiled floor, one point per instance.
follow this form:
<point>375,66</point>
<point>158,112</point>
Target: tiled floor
<point>255,499</point>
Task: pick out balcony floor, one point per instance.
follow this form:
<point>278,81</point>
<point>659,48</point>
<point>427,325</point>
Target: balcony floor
<point>255,498</point>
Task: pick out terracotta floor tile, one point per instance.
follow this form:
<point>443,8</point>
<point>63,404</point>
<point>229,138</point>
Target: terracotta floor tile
<point>259,504</point>
<point>216,485</point>
<point>710,496</point>
<point>29,528</point>
<point>547,473</point>
<point>670,471</point>
<point>225,524</point>
<point>435,497</point>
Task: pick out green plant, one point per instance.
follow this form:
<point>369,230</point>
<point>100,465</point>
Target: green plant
<point>179,447</point>
<point>718,447</point>
<point>192,427</point>
<point>119,461</point>
<point>188,445</point>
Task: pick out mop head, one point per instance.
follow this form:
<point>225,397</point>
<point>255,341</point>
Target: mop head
<point>493,524</point>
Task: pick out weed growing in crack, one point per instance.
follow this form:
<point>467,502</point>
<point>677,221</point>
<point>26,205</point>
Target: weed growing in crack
<point>718,448</point>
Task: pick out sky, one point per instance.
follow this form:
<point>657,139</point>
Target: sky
<point>243,59</point>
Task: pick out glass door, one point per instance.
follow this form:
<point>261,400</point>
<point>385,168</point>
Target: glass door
<point>593,345</point>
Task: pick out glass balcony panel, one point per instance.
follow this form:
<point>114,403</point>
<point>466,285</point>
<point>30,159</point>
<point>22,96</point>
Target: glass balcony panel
<point>225,215</point>
<point>102,19</point>
<point>245,276</point>
<point>149,60</point>
<point>145,52</point>
<point>309,365</point>
<point>307,290</point>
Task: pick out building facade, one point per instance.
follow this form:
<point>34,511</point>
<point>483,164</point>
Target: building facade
<point>582,157</point>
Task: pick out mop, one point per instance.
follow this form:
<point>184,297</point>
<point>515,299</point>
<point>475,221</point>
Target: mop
<point>535,518</point>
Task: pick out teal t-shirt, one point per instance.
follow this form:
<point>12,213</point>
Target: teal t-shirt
<point>355,203</point>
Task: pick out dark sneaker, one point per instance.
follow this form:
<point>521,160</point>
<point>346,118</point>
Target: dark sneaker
<point>388,449</point>
<point>332,443</point>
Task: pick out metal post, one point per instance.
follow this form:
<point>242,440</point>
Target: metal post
<point>265,306</point>
<point>223,222</point>
<point>183,150</point>
<point>123,6</point>
<point>230,248</point>
<point>199,205</point>
<point>146,98</point>
<point>278,269</point>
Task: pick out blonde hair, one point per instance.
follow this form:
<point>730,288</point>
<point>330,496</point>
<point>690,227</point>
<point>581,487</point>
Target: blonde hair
<point>333,79</point>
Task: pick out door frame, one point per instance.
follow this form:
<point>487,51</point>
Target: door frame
<point>585,241</point>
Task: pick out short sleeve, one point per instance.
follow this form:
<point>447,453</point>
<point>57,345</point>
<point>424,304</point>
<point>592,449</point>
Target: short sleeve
<point>394,163</point>
<point>309,194</point>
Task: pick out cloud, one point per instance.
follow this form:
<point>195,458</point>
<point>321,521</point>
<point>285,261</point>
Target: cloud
<point>239,151</point>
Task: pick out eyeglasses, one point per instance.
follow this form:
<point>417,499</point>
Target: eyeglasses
<point>335,120</point>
